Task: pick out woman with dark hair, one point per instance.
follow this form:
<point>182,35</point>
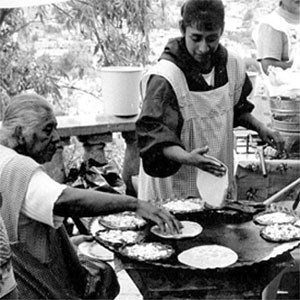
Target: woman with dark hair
<point>194,97</point>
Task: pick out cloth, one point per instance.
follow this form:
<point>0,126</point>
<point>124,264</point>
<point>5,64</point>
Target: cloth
<point>160,122</point>
<point>7,279</point>
<point>32,207</point>
<point>212,110</point>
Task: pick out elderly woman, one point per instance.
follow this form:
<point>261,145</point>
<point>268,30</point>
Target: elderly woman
<point>34,206</point>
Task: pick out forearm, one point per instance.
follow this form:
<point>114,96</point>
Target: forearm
<point>75,202</point>
<point>265,63</point>
<point>177,154</point>
<point>248,121</point>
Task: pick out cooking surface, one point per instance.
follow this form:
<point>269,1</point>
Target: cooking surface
<point>243,238</point>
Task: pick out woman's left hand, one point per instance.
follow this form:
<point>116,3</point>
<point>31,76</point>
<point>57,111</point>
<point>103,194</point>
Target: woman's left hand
<point>273,138</point>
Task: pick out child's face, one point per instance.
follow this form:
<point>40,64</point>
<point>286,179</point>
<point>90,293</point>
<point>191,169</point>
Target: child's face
<point>202,43</point>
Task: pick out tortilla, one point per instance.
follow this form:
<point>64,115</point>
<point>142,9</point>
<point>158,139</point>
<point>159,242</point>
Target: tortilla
<point>280,233</point>
<point>208,257</point>
<point>189,230</point>
<point>213,189</point>
<point>147,251</point>
<point>123,221</point>
<point>275,217</point>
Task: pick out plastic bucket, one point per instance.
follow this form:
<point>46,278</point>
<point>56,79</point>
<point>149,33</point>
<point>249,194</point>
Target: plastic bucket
<point>121,90</point>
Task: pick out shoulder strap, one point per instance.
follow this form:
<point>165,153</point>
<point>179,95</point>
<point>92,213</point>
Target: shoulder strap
<point>236,71</point>
<point>172,73</point>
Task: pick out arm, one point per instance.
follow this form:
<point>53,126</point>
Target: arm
<point>267,62</point>
<point>194,158</point>
<point>269,136</point>
<point>79,203</point>
<point>159,125</point>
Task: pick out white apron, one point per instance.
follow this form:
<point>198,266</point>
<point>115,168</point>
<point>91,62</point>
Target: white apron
<point>208,120</point>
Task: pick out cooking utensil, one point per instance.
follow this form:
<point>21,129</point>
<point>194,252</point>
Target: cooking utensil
<point>259,145</point>
<point>283,191</point>
<point>295,204</point>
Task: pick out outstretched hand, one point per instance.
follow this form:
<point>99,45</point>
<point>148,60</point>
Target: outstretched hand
<point>165,220</point>
<point>198,159</point>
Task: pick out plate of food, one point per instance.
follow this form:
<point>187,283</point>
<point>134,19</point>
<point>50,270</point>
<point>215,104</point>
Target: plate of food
<point>280,232</point>
<point>181,206</point>
<point>147,251</point>
<point>274,217</point>
<point>189,230</point>
<point>117,237</point>
<point>208,257</point>
<point>123,221</point>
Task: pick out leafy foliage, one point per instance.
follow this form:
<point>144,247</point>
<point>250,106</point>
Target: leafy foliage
<point>119,28</point>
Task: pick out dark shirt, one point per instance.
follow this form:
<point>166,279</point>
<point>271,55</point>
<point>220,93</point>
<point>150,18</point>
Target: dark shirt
<point>160,122</point>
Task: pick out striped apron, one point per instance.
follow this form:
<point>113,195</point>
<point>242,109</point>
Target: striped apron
<point>208,120</point>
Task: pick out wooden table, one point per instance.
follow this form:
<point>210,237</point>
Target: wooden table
<point>94,131</point>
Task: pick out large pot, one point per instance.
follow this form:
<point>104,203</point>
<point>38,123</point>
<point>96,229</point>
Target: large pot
<point>284,106</point>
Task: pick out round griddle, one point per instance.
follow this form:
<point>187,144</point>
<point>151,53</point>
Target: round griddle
<point>244,238</point>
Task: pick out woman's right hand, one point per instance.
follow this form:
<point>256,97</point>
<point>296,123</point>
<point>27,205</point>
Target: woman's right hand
<point>198,159</point>
<point>165,220</point>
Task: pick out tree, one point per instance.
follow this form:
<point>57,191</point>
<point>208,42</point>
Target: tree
<point>119,29</point>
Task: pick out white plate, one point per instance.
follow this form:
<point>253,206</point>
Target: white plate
<point>95,251</point>
<point>212,189</point>
<point>208,257</point>
<point>189,230</point>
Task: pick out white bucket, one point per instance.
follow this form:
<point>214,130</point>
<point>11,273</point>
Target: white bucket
<point>121,90</point>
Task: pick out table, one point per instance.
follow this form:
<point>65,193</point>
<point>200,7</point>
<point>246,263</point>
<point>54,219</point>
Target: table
<point>94,131</point>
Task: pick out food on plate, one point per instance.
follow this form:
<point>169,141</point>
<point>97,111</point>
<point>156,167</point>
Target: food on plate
<point>125,220</point>
<point>117,237</point>
<point>281,233</point>
<point>208,257</point>
<point>276,217</point>
<point>188,230</point>
<point>184,205</point>
<point>95,251</point>
<point>151,251</point>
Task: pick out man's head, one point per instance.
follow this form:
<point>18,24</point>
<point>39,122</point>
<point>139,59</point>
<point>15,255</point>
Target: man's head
<point>202,25</point>
<point>29,127</point>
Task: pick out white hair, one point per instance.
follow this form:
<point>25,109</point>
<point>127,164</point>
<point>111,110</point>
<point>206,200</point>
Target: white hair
<point>25,111</point>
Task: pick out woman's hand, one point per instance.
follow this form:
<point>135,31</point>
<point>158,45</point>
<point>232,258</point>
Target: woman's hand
<point>165,220</point>
<point>273,138</point>
<point>198,159</point>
